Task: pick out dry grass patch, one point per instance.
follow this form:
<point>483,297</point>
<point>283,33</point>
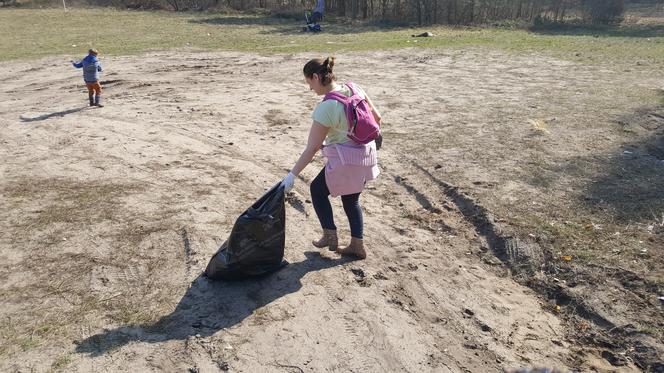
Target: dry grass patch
<point>58,200</point>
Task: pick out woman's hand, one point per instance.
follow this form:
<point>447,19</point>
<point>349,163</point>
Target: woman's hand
<point>288,182</point>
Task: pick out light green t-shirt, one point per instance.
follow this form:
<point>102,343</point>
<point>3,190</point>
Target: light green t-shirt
<point>330,113</point>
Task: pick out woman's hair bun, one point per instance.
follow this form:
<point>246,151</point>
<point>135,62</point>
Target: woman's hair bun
<point>329,63</point>
<point>321,67</point>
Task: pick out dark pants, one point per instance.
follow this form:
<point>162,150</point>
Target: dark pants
<point>323,208</point>
<point>316,17</point>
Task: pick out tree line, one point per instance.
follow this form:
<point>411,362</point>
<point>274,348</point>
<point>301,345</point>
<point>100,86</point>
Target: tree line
<point>421,12</point>
<point>453,12</point>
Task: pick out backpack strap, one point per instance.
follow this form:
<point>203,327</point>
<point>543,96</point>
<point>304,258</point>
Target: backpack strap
<point>350,86</point>
<point>336,96</point>
<point>346,102</point>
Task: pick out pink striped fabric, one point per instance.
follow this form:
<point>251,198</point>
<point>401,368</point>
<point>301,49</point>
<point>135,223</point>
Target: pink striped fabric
<point>349,166</point>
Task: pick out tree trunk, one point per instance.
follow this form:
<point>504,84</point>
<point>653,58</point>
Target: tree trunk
<point>472,11</point>
<point>433,8</point>
<point>450,12</point>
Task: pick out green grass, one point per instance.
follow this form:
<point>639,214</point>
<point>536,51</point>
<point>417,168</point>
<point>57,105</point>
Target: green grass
<point>27,343</point>
<point>37,33</point>
<point>61,362</point>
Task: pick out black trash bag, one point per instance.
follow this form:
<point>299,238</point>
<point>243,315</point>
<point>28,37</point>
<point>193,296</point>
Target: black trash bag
<point>256,244</point>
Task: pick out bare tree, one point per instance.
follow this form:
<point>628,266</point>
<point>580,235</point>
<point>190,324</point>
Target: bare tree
<point>424,12</point>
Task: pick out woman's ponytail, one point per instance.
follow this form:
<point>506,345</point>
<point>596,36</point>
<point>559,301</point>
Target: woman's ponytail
<point>321,67</point>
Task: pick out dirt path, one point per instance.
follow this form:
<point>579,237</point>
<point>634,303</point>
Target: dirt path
<point>112,213</point>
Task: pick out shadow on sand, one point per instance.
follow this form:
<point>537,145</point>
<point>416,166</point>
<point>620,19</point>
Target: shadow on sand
<point>209,306</point>
<point>51,115</point>
<point>632,188</point>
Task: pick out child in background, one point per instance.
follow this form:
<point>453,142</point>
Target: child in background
<point>91,69</point>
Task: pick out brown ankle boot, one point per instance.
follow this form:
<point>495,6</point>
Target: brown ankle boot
<point>329,240</point>
<point>356,249</point>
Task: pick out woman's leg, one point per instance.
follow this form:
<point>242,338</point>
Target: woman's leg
<point>319,198</point>
<point>353,210</point>
<point>323,208</point>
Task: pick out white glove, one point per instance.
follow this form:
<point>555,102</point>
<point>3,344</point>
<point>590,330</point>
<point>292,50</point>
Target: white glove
<point>288,182</point>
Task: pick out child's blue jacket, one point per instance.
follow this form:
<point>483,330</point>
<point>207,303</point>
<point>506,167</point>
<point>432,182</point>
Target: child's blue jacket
<point>91,68</point>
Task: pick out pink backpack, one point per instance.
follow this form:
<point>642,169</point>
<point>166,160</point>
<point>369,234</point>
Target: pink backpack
<point>362,127</point>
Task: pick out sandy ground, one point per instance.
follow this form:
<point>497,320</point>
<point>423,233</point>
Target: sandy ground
<point>110,215</point>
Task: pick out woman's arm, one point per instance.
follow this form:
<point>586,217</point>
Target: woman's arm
<point>374,111</point>
<point>317,135</point>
